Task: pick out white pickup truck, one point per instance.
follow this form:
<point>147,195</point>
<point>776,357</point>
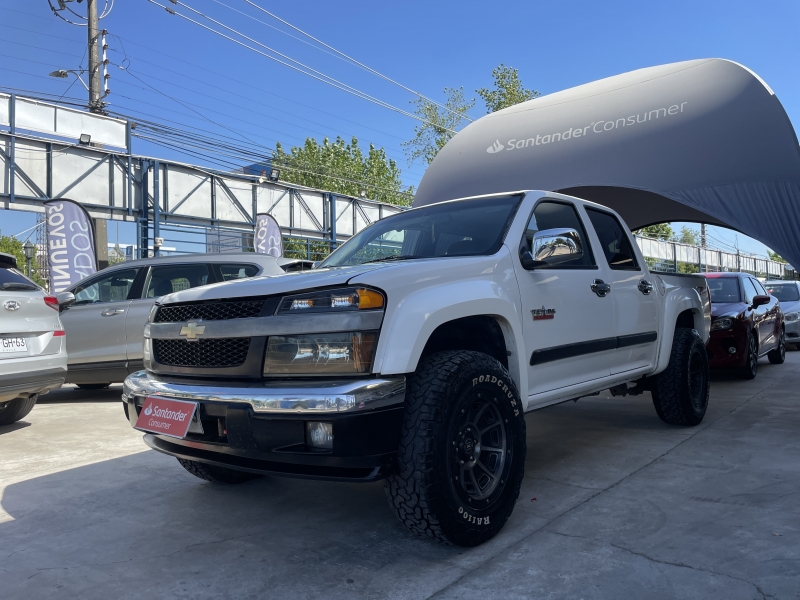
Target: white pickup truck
<point>412,353</point>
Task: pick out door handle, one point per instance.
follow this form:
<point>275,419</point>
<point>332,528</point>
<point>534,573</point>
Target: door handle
<point>110,312</point>
<point>601,288</point>
<point>645,287</point>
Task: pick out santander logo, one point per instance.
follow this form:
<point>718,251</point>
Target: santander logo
<point>496,147</point>
<point>148,411</point>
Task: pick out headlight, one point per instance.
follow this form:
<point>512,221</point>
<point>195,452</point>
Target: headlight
<point>791,317</point>
<point>724,323</point>
<point>331,301</point>
<point>320,353</point>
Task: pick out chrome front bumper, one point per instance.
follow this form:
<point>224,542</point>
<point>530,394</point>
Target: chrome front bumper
<point>317,397</point>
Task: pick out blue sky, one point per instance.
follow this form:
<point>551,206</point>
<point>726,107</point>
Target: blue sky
<point>207,82</point>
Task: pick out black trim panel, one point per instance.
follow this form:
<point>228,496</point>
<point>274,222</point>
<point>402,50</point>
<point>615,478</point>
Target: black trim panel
<point>624,341</point>
<point>546,355</point>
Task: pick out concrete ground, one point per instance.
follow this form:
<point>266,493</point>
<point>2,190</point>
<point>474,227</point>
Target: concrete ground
<point>615,504</point>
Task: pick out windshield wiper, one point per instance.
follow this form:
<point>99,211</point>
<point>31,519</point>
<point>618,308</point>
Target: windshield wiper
<point>391,257</point>
<point>17,285</point>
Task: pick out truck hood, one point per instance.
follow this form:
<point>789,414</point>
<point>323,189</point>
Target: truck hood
<point>273,284</point>
<point>727,309</point>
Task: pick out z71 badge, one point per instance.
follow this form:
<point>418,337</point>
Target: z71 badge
<point>540,314</point>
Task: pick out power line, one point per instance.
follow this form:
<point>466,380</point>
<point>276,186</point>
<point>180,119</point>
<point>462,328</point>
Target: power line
<point>310,72</point>
<point>345,56</point>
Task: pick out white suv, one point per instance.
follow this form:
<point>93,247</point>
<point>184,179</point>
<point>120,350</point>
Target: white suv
<point>33,355</point>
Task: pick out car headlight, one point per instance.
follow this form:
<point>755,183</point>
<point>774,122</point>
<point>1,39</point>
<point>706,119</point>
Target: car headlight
<point>724,323</point>
<point>344,299</point>
<point>791,317</point>
<point>320,353</point>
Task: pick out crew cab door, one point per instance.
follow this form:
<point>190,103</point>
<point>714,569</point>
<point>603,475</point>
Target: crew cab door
<point>568,328</point>
<point>633,293</point>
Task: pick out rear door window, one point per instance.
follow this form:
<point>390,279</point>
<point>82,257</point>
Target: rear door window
<point>616,244</point>
<point>109,287</point>
<point>236,271</point>
<point>166,279</point>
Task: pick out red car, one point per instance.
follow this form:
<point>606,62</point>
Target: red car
<point>746,324</point>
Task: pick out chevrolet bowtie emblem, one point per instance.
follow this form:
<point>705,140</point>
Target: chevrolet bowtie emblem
<point>192,330</point>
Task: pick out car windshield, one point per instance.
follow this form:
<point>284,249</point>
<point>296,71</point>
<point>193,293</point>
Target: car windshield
<point>786,292</point>
<point>724,289</point>
<point>462,228</point>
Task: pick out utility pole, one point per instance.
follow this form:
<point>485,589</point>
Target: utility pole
<point>95,78</point>
<point>703,235</point>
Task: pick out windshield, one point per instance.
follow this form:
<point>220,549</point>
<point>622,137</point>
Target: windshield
<point>461,228</point>
<point>786,292</point>
<point>724,289</point>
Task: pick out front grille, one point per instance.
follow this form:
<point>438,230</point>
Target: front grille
<point>221,352</point>
<point>211,311</point>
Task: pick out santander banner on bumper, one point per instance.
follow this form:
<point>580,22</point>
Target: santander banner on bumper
<point>167,417</point>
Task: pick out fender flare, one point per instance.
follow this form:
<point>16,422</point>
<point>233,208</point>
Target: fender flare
<point>676,302</point>
<point>408,328</point>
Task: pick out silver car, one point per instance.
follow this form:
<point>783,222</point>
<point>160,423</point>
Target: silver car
<point>788,294</point>
<point>33,359</point>
<point>105,314</point>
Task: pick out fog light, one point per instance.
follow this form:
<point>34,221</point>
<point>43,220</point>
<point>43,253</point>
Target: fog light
<point>732,350</point>
<point>319,434</point>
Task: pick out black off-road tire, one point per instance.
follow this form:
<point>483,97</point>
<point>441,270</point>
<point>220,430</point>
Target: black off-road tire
<point>460,406</point>
<point>216,474</point>
<point>778,355</point>
<point>750,368</point>
<point>680,392</point>
<point>93,386</point>
<point>13,411</point>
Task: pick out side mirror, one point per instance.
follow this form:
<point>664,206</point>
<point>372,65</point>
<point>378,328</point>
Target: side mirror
<point>551,247</point>
<point>65,299</point>
<point>760,300</point>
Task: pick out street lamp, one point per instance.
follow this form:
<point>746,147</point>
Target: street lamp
<point>30,251</point>
<point>64,74</point>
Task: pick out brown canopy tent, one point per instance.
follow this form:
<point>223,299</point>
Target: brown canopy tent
<point>703,140</point>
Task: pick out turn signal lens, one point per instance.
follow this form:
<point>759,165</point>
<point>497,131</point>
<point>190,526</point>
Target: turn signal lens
<point>332,301</point>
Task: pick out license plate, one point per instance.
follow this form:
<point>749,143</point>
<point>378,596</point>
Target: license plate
<point>166,416</point>
<point>15,344</point>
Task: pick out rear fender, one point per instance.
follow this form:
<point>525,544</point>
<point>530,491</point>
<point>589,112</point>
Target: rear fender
<point>676,301</point>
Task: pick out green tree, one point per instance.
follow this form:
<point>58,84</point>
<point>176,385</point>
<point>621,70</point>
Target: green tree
<point>507,91</point>
<point>775,256</point>
<point>343,168</point>
<point>661,231</point>
<point>439,124</point>
<point>687,236</point>
<point>11,245</point>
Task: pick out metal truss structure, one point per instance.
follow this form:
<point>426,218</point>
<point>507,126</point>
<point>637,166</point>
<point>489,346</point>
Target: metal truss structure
<point>49,151</point>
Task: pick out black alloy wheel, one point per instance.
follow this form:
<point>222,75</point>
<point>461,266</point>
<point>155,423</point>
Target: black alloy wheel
<point>777,356</point>
<point>750,369</point>
<point>479,447</point>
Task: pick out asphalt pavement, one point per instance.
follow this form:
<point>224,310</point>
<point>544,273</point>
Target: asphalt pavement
<point>615,504</point>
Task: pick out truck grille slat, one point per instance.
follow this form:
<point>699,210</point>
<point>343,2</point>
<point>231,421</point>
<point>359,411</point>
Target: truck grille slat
<point>215,352</point>
<point>211,311</point>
